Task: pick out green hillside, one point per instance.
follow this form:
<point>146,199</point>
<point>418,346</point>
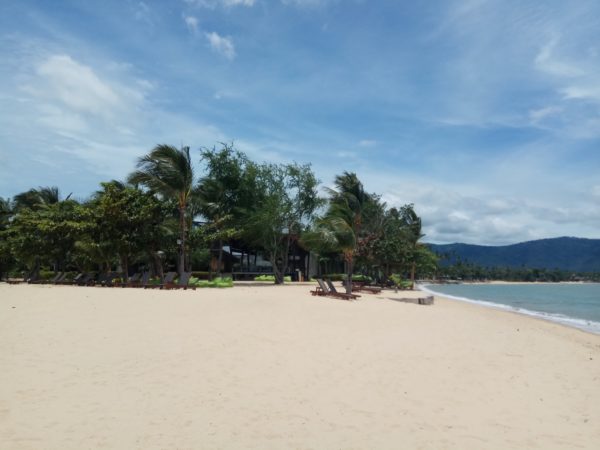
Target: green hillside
<point>566,253</point>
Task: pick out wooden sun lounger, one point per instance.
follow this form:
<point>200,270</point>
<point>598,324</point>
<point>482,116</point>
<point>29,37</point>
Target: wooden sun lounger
<point>73,281</point>
<point>109,281</point>
<point>58,280</point>
<point>140,283</point>
<point>130,280</point>
<point>169,277</point>
<point>334,292</point>
<point>328,289</point>
<point>182,283</point>
<point>86,280</point>
<point>362,288</point>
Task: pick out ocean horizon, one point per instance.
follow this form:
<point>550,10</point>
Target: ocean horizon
<point>573,304</point>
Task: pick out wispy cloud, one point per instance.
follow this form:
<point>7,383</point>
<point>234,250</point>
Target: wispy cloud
<point>214,3</point>
<point>547,61</point>
<point>191,23</point>
<point>221,44</point>
<point>307,3</point>
<point>143,13</point>
<point>367,143</point>
<point>537,115</point>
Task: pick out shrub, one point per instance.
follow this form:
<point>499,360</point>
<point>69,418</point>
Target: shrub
<point>46,274</point>
<point>224,282</point>
<point>271,278</point>
<point>342,277</point>
<point>201,274</point>
<point>398,281</point>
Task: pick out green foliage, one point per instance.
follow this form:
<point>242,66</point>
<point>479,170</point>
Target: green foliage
<point>123,221</point>
<point>271,278</point>
<point>45,235</point>
<point>266,206</point>
<point>225,282</point>
<point>344,277</point>
<point>400,282</point>
<point>286,199</point>
<point>200,274</point>
<point>169,172</point>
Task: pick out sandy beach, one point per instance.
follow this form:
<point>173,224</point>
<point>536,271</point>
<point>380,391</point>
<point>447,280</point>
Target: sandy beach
<point>272,367</point>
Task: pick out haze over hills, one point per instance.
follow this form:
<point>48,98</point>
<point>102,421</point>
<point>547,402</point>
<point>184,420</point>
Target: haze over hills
<point>566,253</point>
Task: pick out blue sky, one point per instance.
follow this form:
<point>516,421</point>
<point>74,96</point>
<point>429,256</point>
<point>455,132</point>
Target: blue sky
<point>485,114</point>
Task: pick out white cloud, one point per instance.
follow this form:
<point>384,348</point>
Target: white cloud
<point>221,44</point>
<point>238,2</point>
<point>537,115</point>
<point>305,3</point>
<point>367,143</point>
<point>214,3</point>
<point>547,62</point>
<point>76,86</point>
<point>92,118</point>
<point>582,92</point>
<point>192,23</point>
<point>143,13</point>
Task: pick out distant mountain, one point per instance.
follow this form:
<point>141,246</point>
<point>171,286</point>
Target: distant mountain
<point>567,253</point>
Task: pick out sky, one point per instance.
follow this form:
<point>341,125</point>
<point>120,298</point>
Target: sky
<point>483,113</point>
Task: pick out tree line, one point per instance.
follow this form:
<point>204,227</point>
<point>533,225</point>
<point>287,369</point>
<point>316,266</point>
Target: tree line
<point>151,219</point>
<point>473,272</point>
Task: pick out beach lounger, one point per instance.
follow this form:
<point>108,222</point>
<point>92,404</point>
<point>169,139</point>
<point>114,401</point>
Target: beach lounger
<point>109,281</point>
<point>34,279</point>
<point>362,288</point>
<point>182,283</point>
<point>321,289</point>
<point>66,280</point>
<point>130,280</point>
<point>60,278</point>
<point>327,289</point>
<point>140,283</point>
<point>86,280</point>
<point>169,277</point>
<point>334,292</point>
<point>100,280</point>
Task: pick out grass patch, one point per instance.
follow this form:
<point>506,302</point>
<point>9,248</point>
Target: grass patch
<point>271,278</point>
<point>342,277</point>
<point>224,282</point>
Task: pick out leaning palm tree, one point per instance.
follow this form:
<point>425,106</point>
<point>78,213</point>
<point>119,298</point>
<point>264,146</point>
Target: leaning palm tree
<point>412,223</point>
<point>339,230</point>
<point>168,171</point>
<point>38,198</point>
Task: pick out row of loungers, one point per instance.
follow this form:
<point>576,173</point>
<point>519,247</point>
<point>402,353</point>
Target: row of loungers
<point>139,280</point>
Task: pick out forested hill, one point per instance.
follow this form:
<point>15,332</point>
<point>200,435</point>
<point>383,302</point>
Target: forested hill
<point>566,253</point>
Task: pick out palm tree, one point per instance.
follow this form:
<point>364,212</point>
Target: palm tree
<point>38,198</point>
<point>168,171</point>
<point>413,225</point>
<point>339,230</point>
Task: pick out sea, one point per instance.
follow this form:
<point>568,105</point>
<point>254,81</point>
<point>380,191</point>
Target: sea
<point>573,304</point>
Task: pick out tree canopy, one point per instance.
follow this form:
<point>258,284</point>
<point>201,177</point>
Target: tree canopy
<point>163,214</point>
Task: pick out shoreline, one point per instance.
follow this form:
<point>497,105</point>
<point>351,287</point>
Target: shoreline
<point>274,367</point>
<point>585,325</point>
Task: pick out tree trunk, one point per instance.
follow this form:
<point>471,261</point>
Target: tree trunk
<point>349,268</point>
<point>157,263</point>
<point>277,271</point>
<point>412,275</point>
<point>125,267</point>
<point>181,267</point>
<point>220,262</point>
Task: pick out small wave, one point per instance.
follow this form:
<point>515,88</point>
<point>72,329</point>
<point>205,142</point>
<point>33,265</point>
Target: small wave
<point>582,324</point>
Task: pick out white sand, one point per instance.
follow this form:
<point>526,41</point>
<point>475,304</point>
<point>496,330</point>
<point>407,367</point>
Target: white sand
<point>273,368</point>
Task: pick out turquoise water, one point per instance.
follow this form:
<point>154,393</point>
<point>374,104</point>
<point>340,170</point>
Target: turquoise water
<point>577,305</point>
